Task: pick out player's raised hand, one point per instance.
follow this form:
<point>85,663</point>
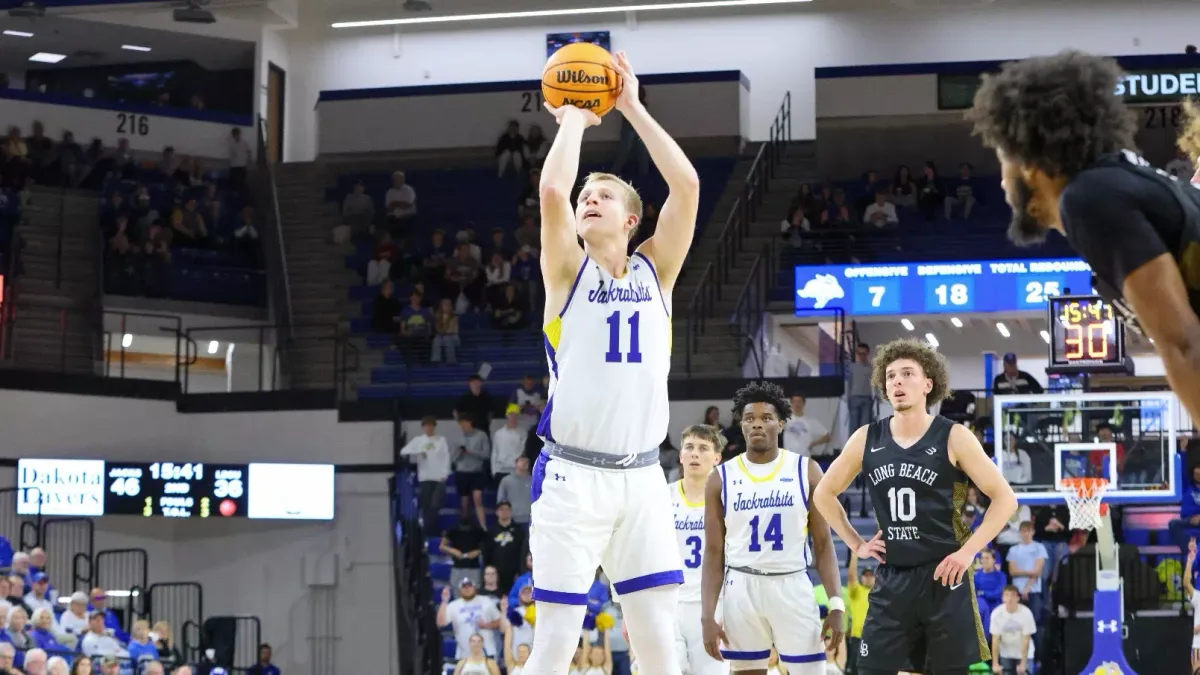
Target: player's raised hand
<point>953,567</point>
<point>629,81</point>
<point>590,119</point>
<point>445,594</point>
<point>714,637</point>
<point>875,548</point>
<point>1192,549</point>
<point>834,630</point>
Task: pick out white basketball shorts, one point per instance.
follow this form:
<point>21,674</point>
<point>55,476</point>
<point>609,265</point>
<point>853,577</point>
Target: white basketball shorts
<point>689,642</point>
<point>765,611</point>
<point>585,517</point>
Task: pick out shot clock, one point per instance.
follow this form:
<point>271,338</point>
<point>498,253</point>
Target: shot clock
<point>1086,336</point>
<point>87,487</point>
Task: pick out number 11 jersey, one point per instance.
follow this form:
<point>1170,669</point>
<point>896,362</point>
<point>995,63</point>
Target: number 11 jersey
<point>917,493</point>
<point>609,352</point>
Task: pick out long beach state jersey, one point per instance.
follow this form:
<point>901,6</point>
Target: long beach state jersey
<point>766,513</point>
<point>689,534</point>
<point>610,354</point>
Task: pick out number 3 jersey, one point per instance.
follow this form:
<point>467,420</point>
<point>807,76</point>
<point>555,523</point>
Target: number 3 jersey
<point>610,355</point>
<point>917,493</point>
<point>766,513</point>
<point>689,534</point>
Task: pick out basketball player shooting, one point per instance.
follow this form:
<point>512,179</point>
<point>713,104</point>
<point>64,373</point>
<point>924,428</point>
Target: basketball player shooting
<point>599,495</point>
<point>922,616</point>
<point>757,524</point>
<point>1066,150</point>
<point>699,454</point>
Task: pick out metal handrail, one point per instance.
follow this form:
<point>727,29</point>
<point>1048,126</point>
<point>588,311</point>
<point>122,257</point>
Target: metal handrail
<point>284,318</point>
<point>697,314</point>
<point>737,223</point>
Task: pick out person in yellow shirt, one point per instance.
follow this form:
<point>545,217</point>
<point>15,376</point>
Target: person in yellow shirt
<point>857,590</point>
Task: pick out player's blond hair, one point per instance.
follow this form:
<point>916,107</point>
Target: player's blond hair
<point>707,433</point>
<point>633,201</point>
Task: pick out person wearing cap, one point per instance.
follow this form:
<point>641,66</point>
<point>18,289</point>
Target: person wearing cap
<point>97,641</point>
<point>504,547</point>
<point>508,443</point>
<point>75,619</point>
<point>111,621</point>
<point>469,613</point>
<point>38,596</point>
<point>1014,380</point>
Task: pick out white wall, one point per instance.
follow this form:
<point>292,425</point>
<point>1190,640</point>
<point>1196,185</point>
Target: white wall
<point>777,51</point>
<point>255,568</point>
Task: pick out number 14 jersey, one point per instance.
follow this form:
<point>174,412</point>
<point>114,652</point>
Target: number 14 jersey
<point>917,493</point>
<point>766,513</point>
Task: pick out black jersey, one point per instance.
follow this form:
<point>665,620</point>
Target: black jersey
<point>1120,213</point>
<point>917,493</point>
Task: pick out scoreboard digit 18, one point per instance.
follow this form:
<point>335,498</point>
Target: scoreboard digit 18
<point>1086,336</point>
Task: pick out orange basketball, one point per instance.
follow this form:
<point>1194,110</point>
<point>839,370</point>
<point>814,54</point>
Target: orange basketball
<point>581,74</point>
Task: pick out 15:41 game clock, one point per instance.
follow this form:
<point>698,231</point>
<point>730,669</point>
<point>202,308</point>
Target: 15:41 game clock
<point>1086,336</point>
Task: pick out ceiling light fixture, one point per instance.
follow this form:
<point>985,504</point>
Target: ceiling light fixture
<point>18,33</point>
<point>126,341</point>
<point>906,323</point>
<point>577,11</point>
<point>932,340</point>
<point>956,321</point>
<point>213,346</point>
<point>47,57</point>
<point>135,48</point>
<point>1045,337</point>
<point>1002,328</point>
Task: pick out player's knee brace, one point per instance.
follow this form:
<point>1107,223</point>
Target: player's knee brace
<point>554,639</point>
<point>650,617</point>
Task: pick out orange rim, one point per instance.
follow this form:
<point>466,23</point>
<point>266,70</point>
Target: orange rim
<point>1088,487</point>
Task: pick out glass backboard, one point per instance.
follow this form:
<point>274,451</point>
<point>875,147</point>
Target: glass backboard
<point>1128,438</point>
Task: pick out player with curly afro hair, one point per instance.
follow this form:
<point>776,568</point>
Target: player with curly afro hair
<point>763,392</point>
<point>932,366</point>
<point>1049,118</point>
<point>1064,138</point>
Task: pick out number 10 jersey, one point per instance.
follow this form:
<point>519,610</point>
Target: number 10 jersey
<point>609,352</point>
<point>917,493</point>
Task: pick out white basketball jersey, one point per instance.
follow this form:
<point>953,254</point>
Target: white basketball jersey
<point>610,354</point>
<point>766,513</point>
<point>689,535</point>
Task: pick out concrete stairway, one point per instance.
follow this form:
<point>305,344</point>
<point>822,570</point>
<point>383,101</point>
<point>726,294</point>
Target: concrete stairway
<point>718,350</point>
<point>316,274</point>
<point>56,318</point>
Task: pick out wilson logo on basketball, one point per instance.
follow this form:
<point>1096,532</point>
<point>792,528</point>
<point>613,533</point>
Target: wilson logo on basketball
<point>580,76</point>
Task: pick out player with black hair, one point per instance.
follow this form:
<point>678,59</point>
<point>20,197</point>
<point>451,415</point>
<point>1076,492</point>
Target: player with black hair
<point>1066,150</point>
<point>756,529</point>
<point>922,616</point>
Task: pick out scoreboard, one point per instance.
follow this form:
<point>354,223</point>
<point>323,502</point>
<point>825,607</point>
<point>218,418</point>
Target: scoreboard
<point>90,487</point>
<point>938,288</point>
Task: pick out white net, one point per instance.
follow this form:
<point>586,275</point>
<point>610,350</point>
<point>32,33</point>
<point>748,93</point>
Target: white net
<point>1084,496</point>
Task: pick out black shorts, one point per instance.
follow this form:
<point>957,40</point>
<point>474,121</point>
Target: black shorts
<point>466,482</point>
<point>917,625</point>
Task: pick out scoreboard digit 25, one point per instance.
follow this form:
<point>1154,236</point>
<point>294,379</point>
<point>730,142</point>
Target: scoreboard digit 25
<point>1086,336</point>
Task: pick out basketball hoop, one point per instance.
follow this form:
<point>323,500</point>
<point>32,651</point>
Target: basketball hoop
<point>1084,497</point>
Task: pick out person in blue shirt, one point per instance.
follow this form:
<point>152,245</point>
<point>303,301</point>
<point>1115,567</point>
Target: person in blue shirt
<point>264,665</point>
<point>597,597</point>
<point>141,647</point>
<point>1187,525</point>
<point>990,581</point>
<point>526,579</point>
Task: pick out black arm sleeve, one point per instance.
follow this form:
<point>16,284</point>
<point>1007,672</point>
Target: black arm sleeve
<point>1107,224</point>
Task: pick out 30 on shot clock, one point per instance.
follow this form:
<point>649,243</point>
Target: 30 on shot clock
<point>1086,335</point>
